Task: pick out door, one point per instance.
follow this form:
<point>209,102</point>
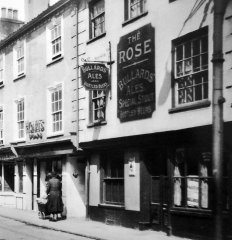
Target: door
<point>159,202</point>
<point>156,162</point>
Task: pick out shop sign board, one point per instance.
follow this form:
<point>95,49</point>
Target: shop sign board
<point>94,76</point>
<point>35,129</point>
<point>136,75</point>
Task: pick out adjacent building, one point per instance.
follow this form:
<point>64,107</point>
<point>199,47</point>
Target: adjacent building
<point>39,111</point>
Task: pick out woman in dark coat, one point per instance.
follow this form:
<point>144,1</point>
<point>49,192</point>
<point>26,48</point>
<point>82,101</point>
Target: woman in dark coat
<point>54,204</point>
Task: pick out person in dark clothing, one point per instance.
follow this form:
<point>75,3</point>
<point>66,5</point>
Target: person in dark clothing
<point>54,204</point>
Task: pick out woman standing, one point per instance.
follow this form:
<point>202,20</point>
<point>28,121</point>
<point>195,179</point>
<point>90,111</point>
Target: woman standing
<point>54,204</point>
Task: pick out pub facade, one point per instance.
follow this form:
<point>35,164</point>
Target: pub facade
<point>147,135</point>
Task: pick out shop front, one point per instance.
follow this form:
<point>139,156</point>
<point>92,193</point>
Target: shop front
<point>160,181</point>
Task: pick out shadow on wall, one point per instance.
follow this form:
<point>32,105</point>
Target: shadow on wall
<point>166,87</point>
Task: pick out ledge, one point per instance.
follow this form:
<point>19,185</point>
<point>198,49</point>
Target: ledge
<point>96,124</point>
<point>105,205</point>
<point>16,142</point>
<point>192,212</point>
<point>96,38</point>
<point>23,75</point>
<point>58,59</point>
<point>55,135</point>
<point>2,86</point>
<point>134,19</point>
<point>192,106</point>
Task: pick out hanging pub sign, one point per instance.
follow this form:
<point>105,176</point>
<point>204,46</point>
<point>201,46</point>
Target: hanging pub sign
<point>136,74</point>
<point>94,76</point>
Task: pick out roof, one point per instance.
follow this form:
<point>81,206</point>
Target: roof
<point>35,21</point>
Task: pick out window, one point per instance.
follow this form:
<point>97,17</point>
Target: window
<point>98,105</point>
<point>191,68</point>
<point>97,18</point>
<point>55,111</point>
<point>19,55</point>
<point>20,119</point>
<point>134,8</point>
<point>1,126</point>
<point>54,39</point>
<point>192,179</point>
<point>113,179</point>
<point>3,12</point>
<point>2,65</point>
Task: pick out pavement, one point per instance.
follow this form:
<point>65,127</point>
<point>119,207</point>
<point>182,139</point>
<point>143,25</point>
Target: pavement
<point>84,228</point>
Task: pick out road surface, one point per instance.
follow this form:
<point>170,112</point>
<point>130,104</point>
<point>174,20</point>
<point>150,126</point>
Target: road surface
<point>14,230</point>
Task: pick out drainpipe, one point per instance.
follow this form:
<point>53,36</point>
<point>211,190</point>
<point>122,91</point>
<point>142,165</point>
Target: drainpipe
<point>77,84</point>
<point>217,118</point>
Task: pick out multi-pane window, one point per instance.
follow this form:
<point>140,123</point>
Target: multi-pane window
<point>1,69</point>
<point>20,58</point>
<point>113,179</point>
<point>1,126</point>
<point>56,110</point>
<point>191,69</point>
<point>56,40</point>
<point>98,105</point>
<point>192,179</point>
<point>136,8</point>
<point>20,119</point>
<point>97,18</point>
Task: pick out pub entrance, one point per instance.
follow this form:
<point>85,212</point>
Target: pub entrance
<point>156,164</point>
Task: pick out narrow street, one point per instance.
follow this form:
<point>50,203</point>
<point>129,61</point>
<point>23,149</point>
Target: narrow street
<point>14,230</point>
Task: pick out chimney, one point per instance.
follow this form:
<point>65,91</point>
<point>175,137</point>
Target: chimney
<point>34,7</point>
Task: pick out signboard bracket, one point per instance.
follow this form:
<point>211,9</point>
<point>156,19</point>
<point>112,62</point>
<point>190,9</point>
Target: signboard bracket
<point>109,63</point>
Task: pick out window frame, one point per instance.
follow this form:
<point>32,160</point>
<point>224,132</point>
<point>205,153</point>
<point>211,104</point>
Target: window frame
<point>51,113</point>
<point>92,34</point>
<point>108,181</point>
<point>2,69</point>
<point>56,23</point>
<point>192,76</point>
<point>102,107</point>
<point>127,7</point>
<point>20,133</point>
<point>20,59</point>
<point>181,180</point>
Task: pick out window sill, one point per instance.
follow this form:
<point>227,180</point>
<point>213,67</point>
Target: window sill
<point>191,211</point>
<point>18,141</point>
<point>58,59</point>
<point>192,106</point>
<point>96,38</point>
<point>23,75</point>
<point>134,18</point>
<point>96,124</point>
<point>55,135</point>
<point>105,205</point>
<point>2,86</point>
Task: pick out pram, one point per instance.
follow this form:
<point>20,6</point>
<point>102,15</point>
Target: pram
<point>42,208</point>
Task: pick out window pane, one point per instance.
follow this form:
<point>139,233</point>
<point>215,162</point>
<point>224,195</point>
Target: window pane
<point>187,49</point>
<point>179,53</point>
<point>196,47</point>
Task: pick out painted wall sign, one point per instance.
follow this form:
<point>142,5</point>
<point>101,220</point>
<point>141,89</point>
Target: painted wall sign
<point>35,129</point>
<point>95,76</point>
<point>136,74</point>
